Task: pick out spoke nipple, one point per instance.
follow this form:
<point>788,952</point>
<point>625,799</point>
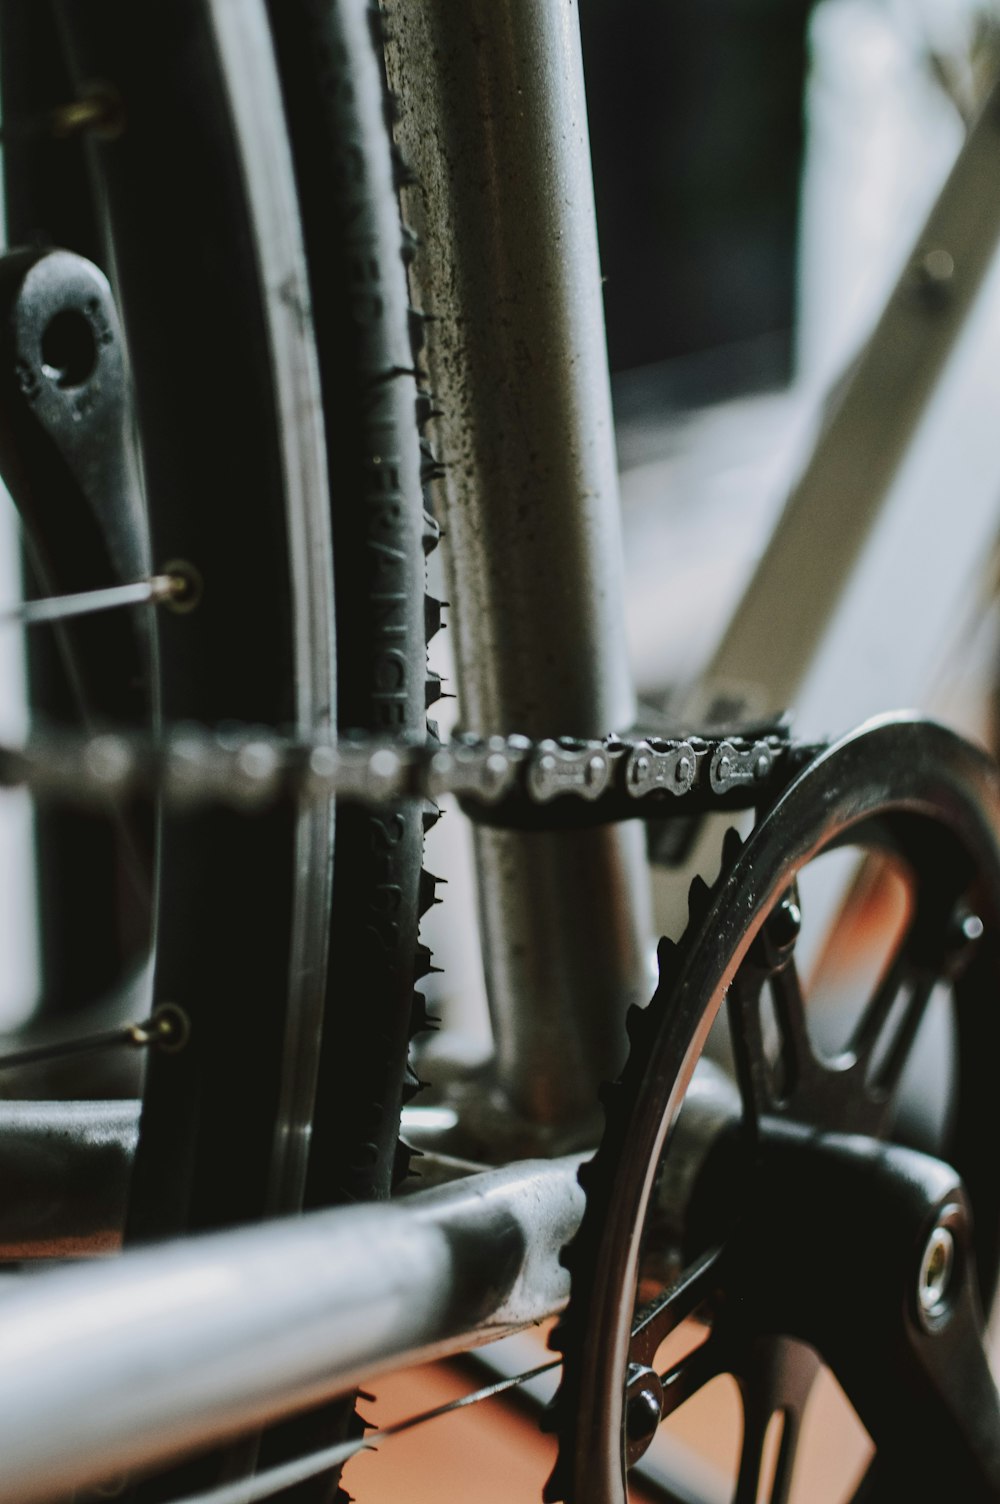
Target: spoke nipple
<point>183,587</point>
<point>170,1028</point>
<point>100,112</point>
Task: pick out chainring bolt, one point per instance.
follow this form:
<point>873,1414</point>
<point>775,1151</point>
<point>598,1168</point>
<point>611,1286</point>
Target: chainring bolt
<point>785,924</point>
<point>643,1404</point>
<point>936,1268</point>
<point>642,1416</point>
<point>969,928</point>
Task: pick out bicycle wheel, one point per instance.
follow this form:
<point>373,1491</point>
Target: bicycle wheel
<point>276,404</point>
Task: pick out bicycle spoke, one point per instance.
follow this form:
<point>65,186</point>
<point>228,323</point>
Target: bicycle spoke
<point>160,588</point>
<point>275,1480</point>
<point>167,1028</point>
<point>694,1289</point>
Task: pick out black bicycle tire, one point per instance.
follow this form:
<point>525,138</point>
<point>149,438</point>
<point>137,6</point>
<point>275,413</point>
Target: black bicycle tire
<point>371,398</point>
<point>338,110</point>
<point>204,1156</point>
<point>214,467</point>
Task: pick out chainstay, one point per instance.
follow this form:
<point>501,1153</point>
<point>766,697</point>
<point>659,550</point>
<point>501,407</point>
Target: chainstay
<point>509,781</point>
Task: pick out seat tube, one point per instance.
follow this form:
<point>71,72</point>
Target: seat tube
<point>492,124</point>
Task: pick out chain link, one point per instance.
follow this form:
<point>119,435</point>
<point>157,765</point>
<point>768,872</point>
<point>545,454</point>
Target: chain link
<point>500,778</point>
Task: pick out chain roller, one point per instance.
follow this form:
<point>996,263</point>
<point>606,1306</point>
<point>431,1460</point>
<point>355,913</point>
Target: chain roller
<point>508,780</point>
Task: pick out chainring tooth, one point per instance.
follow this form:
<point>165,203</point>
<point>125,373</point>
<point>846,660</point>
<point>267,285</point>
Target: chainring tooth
<point>699,897</point>
<point>597,1173</point>
<point>943,796</point>
<point>732,845</point>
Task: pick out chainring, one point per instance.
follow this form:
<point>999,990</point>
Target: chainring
<point>899,785</point>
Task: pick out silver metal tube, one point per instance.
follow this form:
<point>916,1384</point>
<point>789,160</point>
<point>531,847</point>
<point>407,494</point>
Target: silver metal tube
<point>65,1169</point>
<point>64,1166</point>
<point>493,124</point>
<point>116,1366</point>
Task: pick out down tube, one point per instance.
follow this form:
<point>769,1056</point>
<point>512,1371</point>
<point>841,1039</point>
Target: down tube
<point>492,124</point>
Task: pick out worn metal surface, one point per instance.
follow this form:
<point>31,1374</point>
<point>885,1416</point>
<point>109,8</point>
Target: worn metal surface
<point>111,1367</point>
<point>493,125</point>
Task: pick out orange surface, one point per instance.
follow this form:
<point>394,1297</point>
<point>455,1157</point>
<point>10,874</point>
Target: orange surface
<point>488,1453</point>
<point>494,1453</point>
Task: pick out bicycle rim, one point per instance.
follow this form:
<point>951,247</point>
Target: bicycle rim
<point>268,401</point>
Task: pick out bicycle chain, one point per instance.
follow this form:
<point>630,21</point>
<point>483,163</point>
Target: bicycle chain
<point>506,780</point>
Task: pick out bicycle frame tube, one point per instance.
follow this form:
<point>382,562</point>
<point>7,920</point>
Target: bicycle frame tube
<point>493,126</point>
<point>856,602</point>
<point>125,1364</point>
<point>249,1325</point>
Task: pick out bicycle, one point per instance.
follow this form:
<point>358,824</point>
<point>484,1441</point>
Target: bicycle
<point>553,831</point>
